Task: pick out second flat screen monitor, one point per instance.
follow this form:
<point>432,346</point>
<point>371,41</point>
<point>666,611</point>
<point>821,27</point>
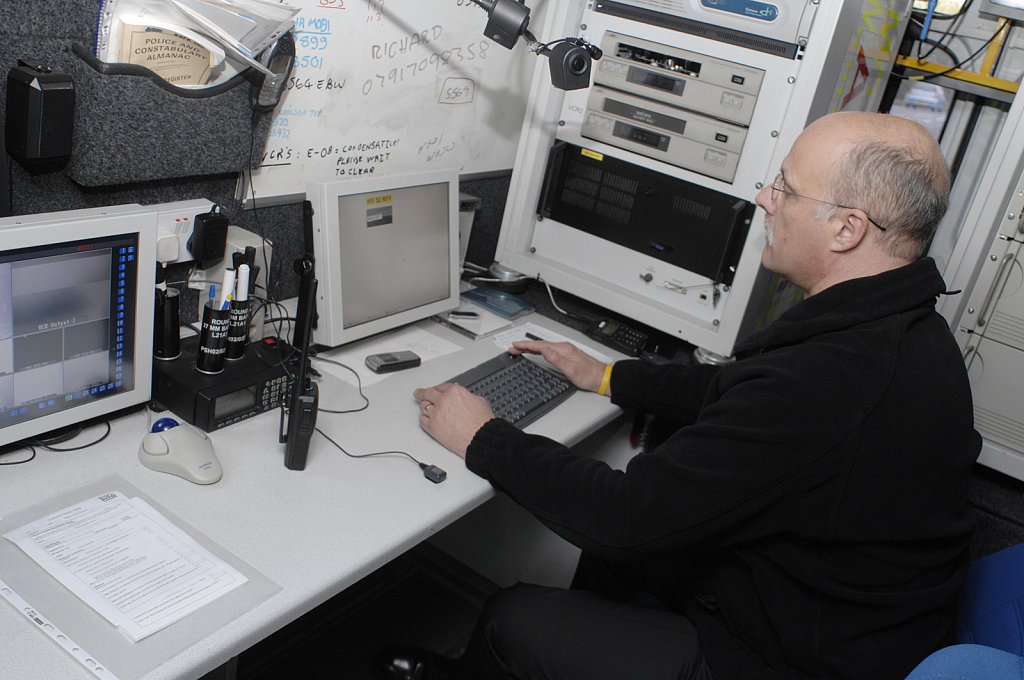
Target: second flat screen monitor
<point>386,252</point>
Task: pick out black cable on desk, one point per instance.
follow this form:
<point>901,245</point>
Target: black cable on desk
<point>20,462</point>
<point>431,472</point>
<point>47,444</point>
<point>359,387</point>
<point>571,315</point>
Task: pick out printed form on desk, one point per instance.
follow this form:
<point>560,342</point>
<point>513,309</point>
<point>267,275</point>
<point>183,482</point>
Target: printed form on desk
<point>531,331</point>
<point>124,559</point>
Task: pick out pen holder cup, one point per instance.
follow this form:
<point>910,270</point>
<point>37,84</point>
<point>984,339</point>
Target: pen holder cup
<point>238,329</point>
<point>166,333</point>
<point>213,339</point>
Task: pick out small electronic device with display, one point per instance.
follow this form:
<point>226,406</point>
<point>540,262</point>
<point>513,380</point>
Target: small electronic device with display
<point>619,336</point>
<point>388,362</point>
<point>258,381</point>
<point>76,316</point>
<point>387,252</point>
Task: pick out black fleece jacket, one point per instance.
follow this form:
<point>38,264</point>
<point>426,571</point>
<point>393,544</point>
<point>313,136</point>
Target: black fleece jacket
<point>814,495</point>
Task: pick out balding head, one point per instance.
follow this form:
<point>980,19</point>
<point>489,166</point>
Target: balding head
<point>893,169</point>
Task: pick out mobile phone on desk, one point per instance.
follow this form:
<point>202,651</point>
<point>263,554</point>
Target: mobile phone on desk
<point>386,362</point>
<point>619,336</point>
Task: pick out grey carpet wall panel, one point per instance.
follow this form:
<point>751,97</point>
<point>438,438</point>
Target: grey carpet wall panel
<point>129,128</point>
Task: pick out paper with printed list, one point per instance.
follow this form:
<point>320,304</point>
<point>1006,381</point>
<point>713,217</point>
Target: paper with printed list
<point>127,561</point>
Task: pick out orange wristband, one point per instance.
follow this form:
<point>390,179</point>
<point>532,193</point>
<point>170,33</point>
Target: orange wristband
<point>605,380</point>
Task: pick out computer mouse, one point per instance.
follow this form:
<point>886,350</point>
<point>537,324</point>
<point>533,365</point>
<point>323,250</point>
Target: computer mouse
<point>180,450</point>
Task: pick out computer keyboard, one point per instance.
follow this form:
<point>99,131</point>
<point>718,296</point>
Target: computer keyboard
<point>517,389</point>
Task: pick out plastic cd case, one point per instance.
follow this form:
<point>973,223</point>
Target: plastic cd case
<point>499,302</point>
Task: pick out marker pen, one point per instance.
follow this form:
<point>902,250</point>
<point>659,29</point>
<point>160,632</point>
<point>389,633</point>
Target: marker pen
<point>242,292</point>
<point>227,286</point>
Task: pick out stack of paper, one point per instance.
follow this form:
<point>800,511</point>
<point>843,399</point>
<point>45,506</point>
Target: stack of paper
<point>127,561</point>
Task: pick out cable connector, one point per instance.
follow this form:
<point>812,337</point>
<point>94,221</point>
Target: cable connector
<point>433,473</point>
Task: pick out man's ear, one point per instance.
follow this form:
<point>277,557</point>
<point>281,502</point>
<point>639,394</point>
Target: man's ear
<point>852,229</point>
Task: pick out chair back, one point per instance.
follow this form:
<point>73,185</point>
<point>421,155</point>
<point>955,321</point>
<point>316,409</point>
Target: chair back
<point>992,602</point>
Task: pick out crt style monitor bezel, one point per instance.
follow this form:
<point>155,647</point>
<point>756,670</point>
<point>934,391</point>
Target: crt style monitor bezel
<point>45,229</point>
<point>330,329</point>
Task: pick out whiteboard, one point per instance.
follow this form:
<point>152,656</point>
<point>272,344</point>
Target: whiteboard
<point>384,87</point>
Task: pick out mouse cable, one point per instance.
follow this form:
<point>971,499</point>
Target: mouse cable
<point>16,448</point>
<point>431,472</point>
<point>359,386</point>
<point>46,444</point>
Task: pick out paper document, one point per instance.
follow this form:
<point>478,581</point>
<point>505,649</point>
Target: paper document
<point>127,561</point>
<point>505,339</point>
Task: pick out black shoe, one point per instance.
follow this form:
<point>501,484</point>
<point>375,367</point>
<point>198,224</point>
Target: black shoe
<point>410,663</point>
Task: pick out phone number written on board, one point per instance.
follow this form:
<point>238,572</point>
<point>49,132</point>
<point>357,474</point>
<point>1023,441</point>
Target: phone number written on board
<point>401,74</point>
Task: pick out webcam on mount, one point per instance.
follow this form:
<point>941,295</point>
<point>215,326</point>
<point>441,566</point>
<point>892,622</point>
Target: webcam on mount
<point>506,20</point>
<point>569,59</point>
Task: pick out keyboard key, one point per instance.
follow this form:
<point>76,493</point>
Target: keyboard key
<point>517,389</point>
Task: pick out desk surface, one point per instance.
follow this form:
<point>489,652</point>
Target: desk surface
<point>314,532</point>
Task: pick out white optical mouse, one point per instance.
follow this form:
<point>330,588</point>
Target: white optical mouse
<point>182,450</point>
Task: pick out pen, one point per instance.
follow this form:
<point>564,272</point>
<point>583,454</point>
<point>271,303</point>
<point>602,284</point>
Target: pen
<point>531,336</point>
<point>227,286</point>
<point>243,283</point>
<point>213,294</point>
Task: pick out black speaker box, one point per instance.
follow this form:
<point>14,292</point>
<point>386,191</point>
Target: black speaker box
<point>40,116</point>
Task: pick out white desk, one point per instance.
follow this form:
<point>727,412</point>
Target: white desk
<point>313,532</point>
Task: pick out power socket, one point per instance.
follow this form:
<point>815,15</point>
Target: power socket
<point>175,222</point>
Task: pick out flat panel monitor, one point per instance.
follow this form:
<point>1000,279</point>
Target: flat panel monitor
<point>386,250</point>
<point>76,317</point>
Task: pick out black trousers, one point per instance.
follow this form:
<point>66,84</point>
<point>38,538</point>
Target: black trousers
<point>594,631</point>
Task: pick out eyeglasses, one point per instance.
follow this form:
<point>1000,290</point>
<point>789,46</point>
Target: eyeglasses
<point>779,187</point>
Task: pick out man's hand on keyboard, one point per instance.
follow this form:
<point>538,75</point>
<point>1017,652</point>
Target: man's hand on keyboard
<point>451,415</point>
<point>581,369</point>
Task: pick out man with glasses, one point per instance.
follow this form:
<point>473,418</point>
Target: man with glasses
<point>809,516</point>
